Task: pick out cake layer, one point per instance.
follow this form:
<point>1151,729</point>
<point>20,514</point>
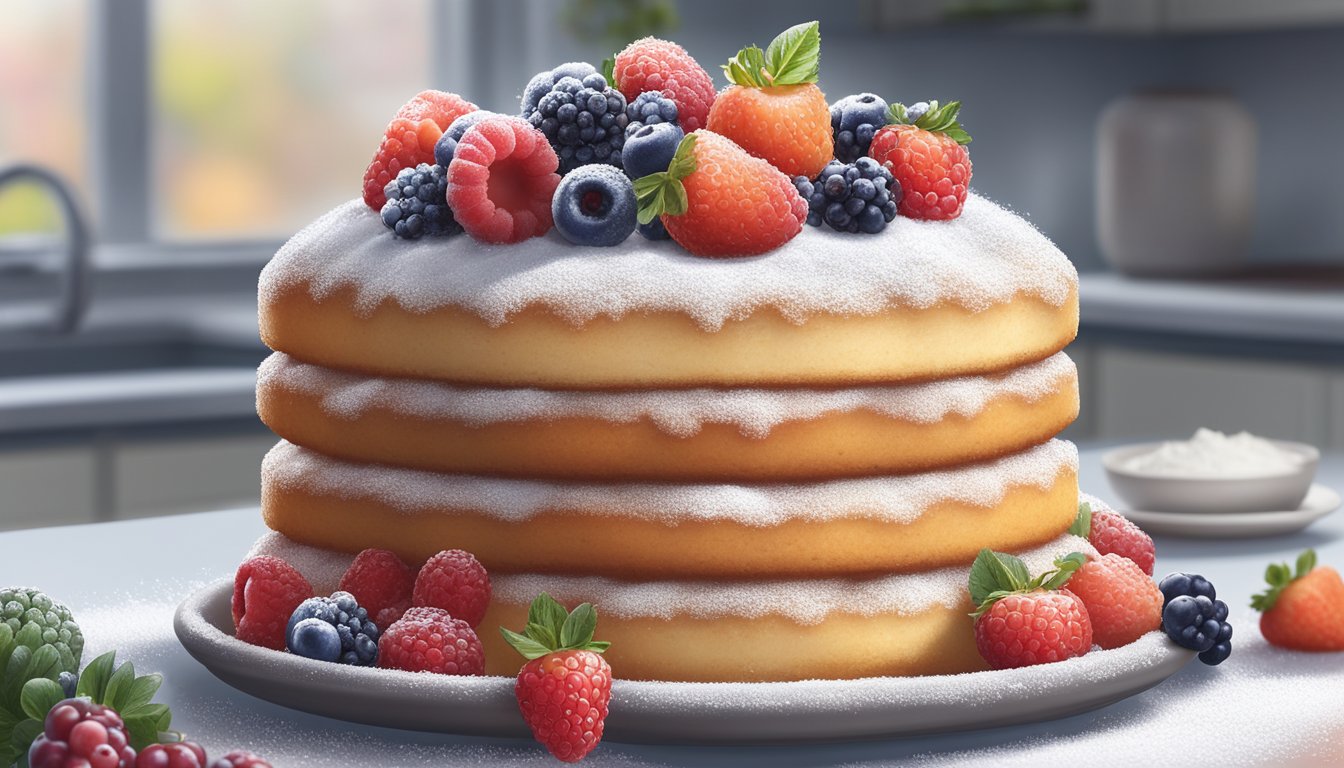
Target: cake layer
<point>913,624</point>
<point>921,300</point>
<point>667,435</point>
<point>868,525</point>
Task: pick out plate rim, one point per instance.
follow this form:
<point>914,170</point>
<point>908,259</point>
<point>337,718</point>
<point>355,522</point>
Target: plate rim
<point>1250,520</point>
<point>647,712</point>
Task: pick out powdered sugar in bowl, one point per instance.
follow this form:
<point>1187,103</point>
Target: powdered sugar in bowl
<point>1213,472</point>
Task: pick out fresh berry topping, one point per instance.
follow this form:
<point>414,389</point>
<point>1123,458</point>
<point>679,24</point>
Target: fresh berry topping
<point>69,682</point>
<point>542,82</point>
<point>80,734</point>
<point>430,640</point>
<point>501,181</point>
<point>410,138</point>
<point>1174,585</point>
<point>357,636</point>
<point>446,146</point>
<point>654,230</point>
<point>854,122</point>
<point>178,754</point>
<point>240,759</point>
<point>703,195</point>
<point>649,108</point>
<point>916,111</point>
<point>25,610</point>
<point>391,614</point>
<point>1193,622</point>
<point>456,582</point>
<point>595,205</point>
<point>266,590</point>
<point>417,203</point>
<point>929,157</point>
<point>379,579</point>
<point>1021,621</point>
<point>565,687</point>
<point>583,120</point>
<point>858,197</point>
<point>774,109</point>
<point>1122,601</point>
<point>650,64</point>
<point>1303,609</point>
<point>1110,532</point>
<point>650,149</point>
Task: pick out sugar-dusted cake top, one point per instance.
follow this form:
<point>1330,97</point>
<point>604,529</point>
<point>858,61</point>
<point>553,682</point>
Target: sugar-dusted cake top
<point>987,256</point>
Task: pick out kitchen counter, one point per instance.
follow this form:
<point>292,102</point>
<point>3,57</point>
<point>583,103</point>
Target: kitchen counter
<point>1263,707</point>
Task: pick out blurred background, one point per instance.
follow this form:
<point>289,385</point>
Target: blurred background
<point>154,154</point>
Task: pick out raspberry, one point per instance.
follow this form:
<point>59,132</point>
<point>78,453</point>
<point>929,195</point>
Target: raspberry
<point>456,582</point>
<point>1114,533</point>
<point>1034,628</point>
<point>79,733</point>
<point>431,642</point>
<point>858,197</point>
<point>927,156</point>
<point>650,64</point>
<point>378,579</point>
<point>650,108</point>
<point>356,637</point>
<point>409,140</point>
<point>392,613</point>
<point>1121,599</point>
<point>501,181</point>
<point>240,759</point>
<point>266,590</point>
<point>584,121</point>
<point>417,203</point>
<point>179,754</point>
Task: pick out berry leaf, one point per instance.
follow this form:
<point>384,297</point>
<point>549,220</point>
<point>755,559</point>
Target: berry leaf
<point>529,648</point>
<point>119,686</point>
<point>1082,524</point>
<point>93,680</point>
<point>39,696</point>
<point>143,730</point>
<point>663,193</point>
<point>551,628</point>
<point>609,71</point>
<point>794,57</point>
<point>579,627</point>
<point>1279,576</point>
<point>996,572</point>
<point>1306,563</point>
<point>141,692</point>
<point>22,737</point>
<point>747,68</point>
<point>1065,567</point>
<point>936,119</point>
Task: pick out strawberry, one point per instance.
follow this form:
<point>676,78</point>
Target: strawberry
<point>1122,601</point>
<point>717,200</point>
<point>650,64</point>
<point>1021,621</point>
<point>774,109</point>
<point>926,152</point>
<point>564,688</point>
<point>1109,531</point>
<point>409,139</point>
<point>1302,610</point>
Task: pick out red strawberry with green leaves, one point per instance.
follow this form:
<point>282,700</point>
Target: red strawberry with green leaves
<point>716,200</point>
<point>1022,621</point>
<point>565,687</point>
<point>1302,610</point>
<point>925,148</point>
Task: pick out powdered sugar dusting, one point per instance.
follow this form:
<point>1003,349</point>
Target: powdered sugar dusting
<point>803,601</point>
<point>680,413</point>
<point>895,499</point>
<point>985,257</point>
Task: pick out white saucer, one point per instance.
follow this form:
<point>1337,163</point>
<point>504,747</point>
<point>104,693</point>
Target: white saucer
<point>1320,502</point>
<point>681,713</point>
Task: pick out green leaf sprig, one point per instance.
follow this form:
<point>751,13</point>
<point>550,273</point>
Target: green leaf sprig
<point>663,192</point>
<point>792,58</point>
<point>1082,524</point>
<point>1279,576</point>
<point>996,575</point>
<point>937,119</point>
<point>551,628</point>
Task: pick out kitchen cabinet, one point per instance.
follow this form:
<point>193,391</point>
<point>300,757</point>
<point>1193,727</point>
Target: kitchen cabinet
<point>47,487</point>
<point>170,476</point>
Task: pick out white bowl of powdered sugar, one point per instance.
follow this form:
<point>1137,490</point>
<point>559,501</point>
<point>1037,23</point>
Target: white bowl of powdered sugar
<point>1213,472</point>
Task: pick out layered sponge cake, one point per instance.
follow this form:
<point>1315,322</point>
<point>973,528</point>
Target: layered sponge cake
<point>766,468</point>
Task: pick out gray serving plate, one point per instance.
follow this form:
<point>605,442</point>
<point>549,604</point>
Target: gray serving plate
<point>681,713</point>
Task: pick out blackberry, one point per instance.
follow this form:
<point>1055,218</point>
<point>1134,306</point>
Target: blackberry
<point>542,82</point>
<point>583,120</point>
<point>358,634</point>
<point>856,197</point>
<point>1193,618</point>
<point>854,122</point>
<point>650,108</point>
<point>417,203</point>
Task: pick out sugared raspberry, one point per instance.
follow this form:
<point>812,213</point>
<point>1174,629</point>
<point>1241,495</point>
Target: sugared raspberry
<point>501,181</point>
<point>179,754</point>
<point>266,590</point>
<point>564,697</point>
<point>409,139</point>
<point>431,642</point>
<point>1022,630</point>
<point>650,64</point>
<point>80,734</point>
<point>1114,533</point>
<point>378,579</point>
<point>926,153</point>
<point>456,582</point>
<point>392,613</point>
<point>1121,599</point>
<point>240,758</point>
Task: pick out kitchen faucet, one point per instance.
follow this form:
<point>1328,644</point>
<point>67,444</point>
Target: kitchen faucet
<point>74,288</point>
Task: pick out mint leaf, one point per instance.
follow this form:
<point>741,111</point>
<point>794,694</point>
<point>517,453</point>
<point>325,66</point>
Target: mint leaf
<point>93,680</point>
<point>1064,569</point>
<point>141,692</point>
<point>995,572</point>
<point>579,627</point>
<point>1082,524</point>
<point>663,192</point>
<point>529,648</point>
<point>1306,563</point>
<point>747,68</point>
<point>143,730</point>
<point>547,612</point>
<point>39,695</point>
<point>118,686</point>
<point>794,57</point>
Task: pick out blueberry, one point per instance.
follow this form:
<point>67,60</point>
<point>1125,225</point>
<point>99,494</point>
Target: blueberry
<point>1191,584</point>
<point>595,205</point>
<point>916,111</point>
<point>654,230</point>
<point>314,639</point>
<point>447,143</point>
<point>69,682</point>
<point>854,121</point>
<point>595,81</point>
<point>1189,622</point>
<point>650,149</point>
<point>1217,654</point>
<point>651,108</point>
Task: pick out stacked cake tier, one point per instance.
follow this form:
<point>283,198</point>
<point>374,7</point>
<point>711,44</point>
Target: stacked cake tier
<point>757,469</point>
